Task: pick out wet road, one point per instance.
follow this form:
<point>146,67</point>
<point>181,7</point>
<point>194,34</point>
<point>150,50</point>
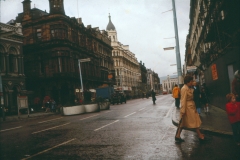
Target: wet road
<point>136,130</point>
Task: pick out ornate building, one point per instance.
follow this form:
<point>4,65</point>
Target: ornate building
<point>168,84</point>
<point>153,81</point>
<point>11,65</point>
<point>53,44</point>
<point>127,70</point>
<point>212,45</point>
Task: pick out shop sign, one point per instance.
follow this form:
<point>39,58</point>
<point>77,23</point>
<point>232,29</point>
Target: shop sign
<point>214,72</point>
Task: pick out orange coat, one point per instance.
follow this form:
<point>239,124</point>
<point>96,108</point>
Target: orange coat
<point>176,92</point>
<point>190,118</point>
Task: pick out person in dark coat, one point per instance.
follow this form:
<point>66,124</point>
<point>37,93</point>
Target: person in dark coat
<point>196,96</point>
<point>204,100</point>
<point>153,97</point>
<point>236,85</point>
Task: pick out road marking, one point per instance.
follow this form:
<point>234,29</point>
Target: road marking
<point>10,129</point>
<point>108,111</point>
<point>50,120</point>
<point>106,125</point>
<point>164,135</point>
<point>169,111</point>
<point>48,149</point>
<point>141,109</point>
<point>88,117</point>
<point>130,114</point>
<point>50,128</point>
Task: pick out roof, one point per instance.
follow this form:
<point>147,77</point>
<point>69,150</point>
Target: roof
<point>110,25</point>
<point>35,13</point>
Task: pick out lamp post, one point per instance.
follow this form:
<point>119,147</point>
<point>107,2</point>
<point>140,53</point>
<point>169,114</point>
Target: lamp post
<point>79,65</point>
<point>178,58</point>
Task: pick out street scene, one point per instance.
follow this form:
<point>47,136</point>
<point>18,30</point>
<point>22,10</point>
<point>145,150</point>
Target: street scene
<point>120,79</point>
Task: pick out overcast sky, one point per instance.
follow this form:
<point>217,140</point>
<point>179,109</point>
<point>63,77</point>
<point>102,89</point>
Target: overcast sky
<point>139,24</point>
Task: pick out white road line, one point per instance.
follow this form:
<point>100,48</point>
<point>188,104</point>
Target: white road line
<point>48,149</point>
<point>130,114</point>
<point>50,120</point>
<point>10,129</point>
<point>106,125</point>
<point>169,111</point>
<point>141,109</point>
<point>50,128</point>
<point>88,117</point>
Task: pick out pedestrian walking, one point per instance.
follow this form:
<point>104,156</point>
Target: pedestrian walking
<point>176,94</point>
<point>233,111</point>
<point>189,118</point>
<point>204,100</point>
<point>153,97</point>
<point>236,85</point>
<point>197,96</point>
<point>53,106</point>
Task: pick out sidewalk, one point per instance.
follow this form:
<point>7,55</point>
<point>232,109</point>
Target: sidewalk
<point>216,122</point>
<point>25,116</point>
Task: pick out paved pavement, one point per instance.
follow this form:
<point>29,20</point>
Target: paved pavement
<point>25,116</point>
<point>215,122</point>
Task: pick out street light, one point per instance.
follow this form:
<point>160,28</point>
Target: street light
<point>178,58</point>
<point>79,65</point>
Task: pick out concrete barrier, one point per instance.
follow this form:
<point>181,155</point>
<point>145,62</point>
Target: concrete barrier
<point>104,105</point>
<point>91,108</point>
<point>72,110</point>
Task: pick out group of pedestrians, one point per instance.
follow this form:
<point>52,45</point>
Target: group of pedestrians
<point>191,99</point>
<point>200,97</point>
<point>50,105</point>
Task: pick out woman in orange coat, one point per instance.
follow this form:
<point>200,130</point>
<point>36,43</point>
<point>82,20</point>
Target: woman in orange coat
<point>188,113</point>
<point>176,95</point>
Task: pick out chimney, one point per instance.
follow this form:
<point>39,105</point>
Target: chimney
<point>56,7</point>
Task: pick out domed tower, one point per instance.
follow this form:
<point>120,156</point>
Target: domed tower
<point>112,33</point>
<point>56,7</point>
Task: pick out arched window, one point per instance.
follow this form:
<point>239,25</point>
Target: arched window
<point>13,63</point>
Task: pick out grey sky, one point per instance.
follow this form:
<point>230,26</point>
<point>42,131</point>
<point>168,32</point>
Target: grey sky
<point>139,24</point>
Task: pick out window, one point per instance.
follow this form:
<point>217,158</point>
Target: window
<point>59,31</point>
<point>2,62</point>
<point>39,33</point>
<point>74,36</point>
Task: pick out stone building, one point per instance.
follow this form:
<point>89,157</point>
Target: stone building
<point>143,84</point>
<point>212,45</point>
<point>53,44</point>
<point>12,65</point>
<point>153,81</point>
<point>168,84</point>
<point>127,70</point>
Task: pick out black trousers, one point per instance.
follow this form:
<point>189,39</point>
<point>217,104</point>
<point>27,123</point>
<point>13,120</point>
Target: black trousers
<point>177,102</point>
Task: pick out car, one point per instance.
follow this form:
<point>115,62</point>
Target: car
<point>164,92</point>
<point>118,97</point>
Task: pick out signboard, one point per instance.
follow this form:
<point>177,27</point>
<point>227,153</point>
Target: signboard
<point>214,72</point>
<point>110,76</point>
<point>22,103</point>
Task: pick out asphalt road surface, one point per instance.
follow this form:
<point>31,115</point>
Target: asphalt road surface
<point>136,130</point>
